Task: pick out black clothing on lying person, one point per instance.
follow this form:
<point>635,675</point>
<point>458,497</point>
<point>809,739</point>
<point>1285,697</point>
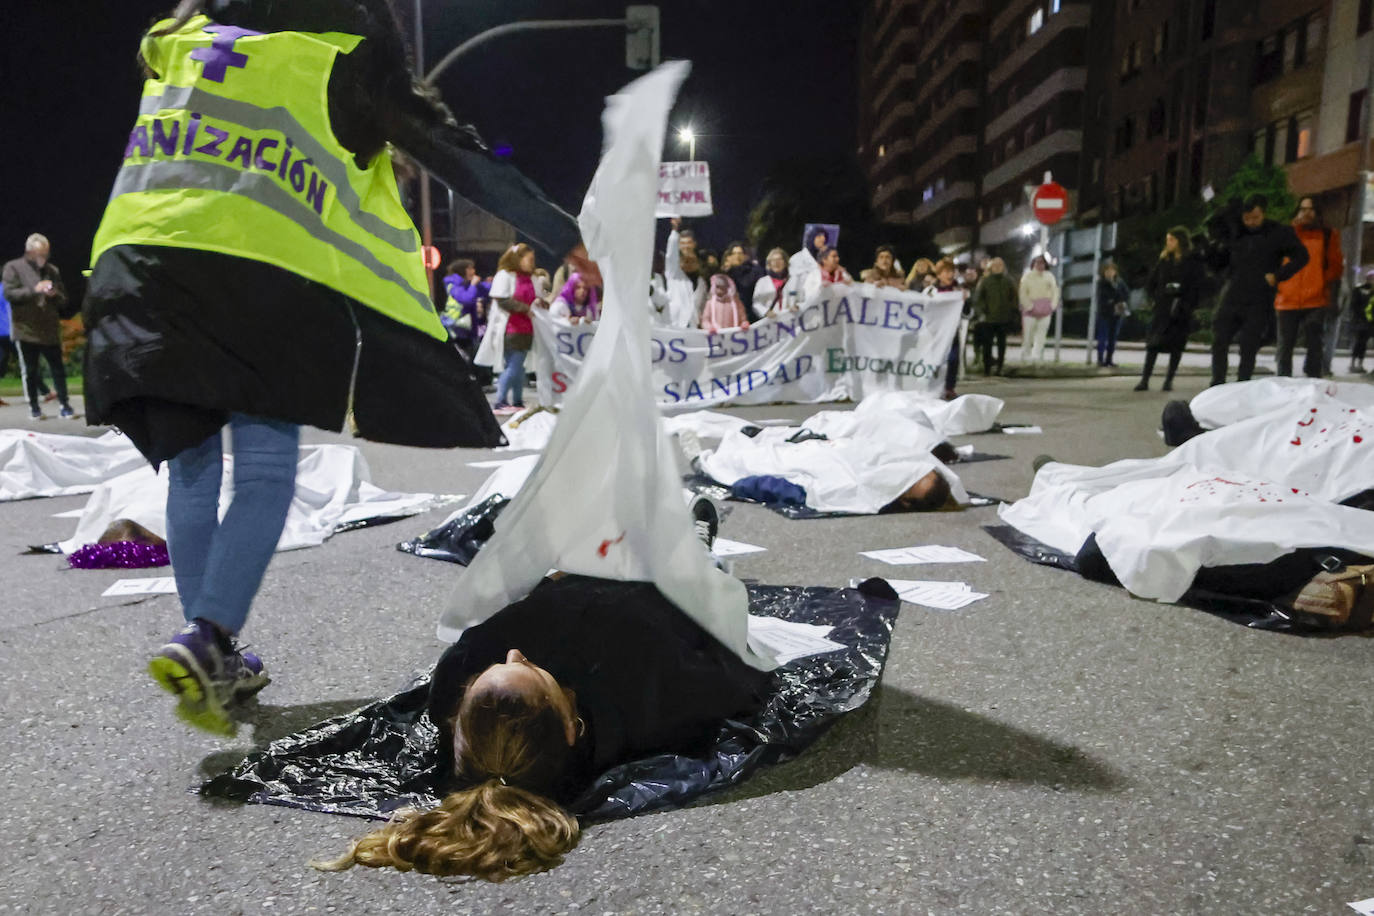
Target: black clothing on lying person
<point>648,678</point>
<point>382,757</point>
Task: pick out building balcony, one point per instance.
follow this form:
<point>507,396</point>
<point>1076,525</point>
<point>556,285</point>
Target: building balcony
<point>885,191</point>
<point>964,98</point>
<point>904,37</point>
<point>1007,227</point>
<point>969,52</point>
<point>961,9</point>
<point>1069,79</point>
<point>1061,141</point>
<point>1319,174</point>
<point>904,74</point>
<point>1076,16</point>
<point>960,145</point>
<point>960,190</point>
<point>954,240</point>
<point>905,109</point>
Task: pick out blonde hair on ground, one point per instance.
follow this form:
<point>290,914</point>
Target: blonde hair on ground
<point>492,831</point>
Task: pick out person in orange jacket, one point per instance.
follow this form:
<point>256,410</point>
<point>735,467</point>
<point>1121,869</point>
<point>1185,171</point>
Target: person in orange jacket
<point>1304,298</point>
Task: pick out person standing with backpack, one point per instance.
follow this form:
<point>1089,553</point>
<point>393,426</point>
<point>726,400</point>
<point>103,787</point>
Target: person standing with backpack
<point>1303,299</point>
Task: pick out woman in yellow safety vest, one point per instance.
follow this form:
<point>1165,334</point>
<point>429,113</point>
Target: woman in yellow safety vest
<point>256,270</point>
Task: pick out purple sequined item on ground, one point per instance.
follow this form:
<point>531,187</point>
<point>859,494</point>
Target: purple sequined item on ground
<point>119,555</point>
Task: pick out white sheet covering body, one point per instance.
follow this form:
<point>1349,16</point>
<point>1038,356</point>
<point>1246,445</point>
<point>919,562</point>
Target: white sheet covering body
<point>969,413</point>
<point>47,464</point>
<point>333,488</point>
<point>1249,492</point>
<point>605,498</point>
<point>1222,405</point>
<point>866,462</point>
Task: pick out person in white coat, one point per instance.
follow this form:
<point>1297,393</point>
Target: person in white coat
<point>777,290</point>
<point>828,271</point>
<point>1039,300</point>
<point>682,286</point>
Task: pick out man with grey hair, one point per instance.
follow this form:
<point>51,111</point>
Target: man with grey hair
<point>36,295</point>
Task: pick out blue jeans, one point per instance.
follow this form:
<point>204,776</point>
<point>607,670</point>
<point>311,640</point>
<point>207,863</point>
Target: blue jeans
<point>512,378</point>
<point>1108,329</point>
<point>219,565</point>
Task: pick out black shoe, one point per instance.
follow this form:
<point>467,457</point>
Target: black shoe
<point>1167,386</point>
<point>1039,461</point>
<point>1142,386</point>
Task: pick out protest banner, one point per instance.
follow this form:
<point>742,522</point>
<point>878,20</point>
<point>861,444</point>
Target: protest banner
<point>845,342</point>
<point>684,189</point>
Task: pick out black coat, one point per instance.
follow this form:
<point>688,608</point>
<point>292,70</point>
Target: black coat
<point>1246,258</point>
<point>1174,288</point>
<point>180,338</point>
<point>648,679</point>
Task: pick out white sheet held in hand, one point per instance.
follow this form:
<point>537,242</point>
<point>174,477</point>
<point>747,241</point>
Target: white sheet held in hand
<point>605,499</point>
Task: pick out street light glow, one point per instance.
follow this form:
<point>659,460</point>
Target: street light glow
<point>1028,229</point>
<point>686,135</point>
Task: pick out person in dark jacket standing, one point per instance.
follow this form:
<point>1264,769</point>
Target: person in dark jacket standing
<point>256,218</point>
<point>1113,305</point>
<point>996,310</point>
<point>1174,287</point>
<point>34,289</point>
<point>1361,321</point>
<point>741,267</point>
<point>1256,257</point>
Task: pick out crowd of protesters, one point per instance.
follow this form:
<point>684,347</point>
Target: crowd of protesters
<point>1273,275</point>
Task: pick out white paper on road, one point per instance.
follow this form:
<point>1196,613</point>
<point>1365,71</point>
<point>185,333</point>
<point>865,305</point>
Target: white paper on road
<point>70,513</point>
<point>787,641</point>
<point>1248,492</point>
<point>333,489</point>
<point>1022,430</point>
<point>491,464</point>
<point>943,596</point>
<point>48,464</point>
<point>528,433</point>
<point>724,547</point>
<point>605,498</point>
<point>1363,907</point>
<point>1234,402</point>
<point>160,585</point>
<point>928,553</point>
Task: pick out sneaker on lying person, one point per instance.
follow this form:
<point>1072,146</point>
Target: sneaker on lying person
<point>209,675</point>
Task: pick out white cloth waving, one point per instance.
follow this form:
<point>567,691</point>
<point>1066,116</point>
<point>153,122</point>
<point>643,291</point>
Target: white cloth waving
<point>605,499</point>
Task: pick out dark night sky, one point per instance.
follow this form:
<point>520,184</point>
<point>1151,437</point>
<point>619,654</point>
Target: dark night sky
<point>768,80</point>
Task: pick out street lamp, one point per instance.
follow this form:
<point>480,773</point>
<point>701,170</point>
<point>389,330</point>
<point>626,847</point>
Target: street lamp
<point>686,135</point>
<point>1029,229</point>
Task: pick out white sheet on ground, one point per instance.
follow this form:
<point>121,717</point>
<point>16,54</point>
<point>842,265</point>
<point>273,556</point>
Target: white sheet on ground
<point>333,489</point>
<point>968,413</point>
<point>47,464</point>
<point>528,433</point>
<point>867,461</point>
<point>605,498</point>
<point>1222,405</point>
<point>1249,492</point>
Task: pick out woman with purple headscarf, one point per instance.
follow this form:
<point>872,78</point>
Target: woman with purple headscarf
<point>578,303</point>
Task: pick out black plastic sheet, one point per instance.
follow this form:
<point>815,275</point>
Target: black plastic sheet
<point>382,757</point>
<point>1250,612</point>
<point>459,539</point>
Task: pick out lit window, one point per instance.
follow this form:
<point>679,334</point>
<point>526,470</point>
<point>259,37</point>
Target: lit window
<point>882,150</point>
<point>1054,6</point>
<point>1037,19</point>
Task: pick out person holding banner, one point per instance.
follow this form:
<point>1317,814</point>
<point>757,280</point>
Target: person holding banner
<point>884,271</point>
<point>828,271</point>
<point>723,309</point>
<point>680,267</point>
<point>1039,299</point>
<point>776,291</point>
<point>577,303</point>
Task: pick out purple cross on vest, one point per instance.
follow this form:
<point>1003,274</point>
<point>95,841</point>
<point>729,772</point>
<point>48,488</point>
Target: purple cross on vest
<point>220,56</point>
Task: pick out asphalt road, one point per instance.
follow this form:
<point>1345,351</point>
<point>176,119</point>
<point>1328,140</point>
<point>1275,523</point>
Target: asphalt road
<point>1055,748</point>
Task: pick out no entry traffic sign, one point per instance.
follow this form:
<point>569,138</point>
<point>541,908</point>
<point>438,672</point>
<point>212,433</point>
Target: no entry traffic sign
<point>1050,203</point>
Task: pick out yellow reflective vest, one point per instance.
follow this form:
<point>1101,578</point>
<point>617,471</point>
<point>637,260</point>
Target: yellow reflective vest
<point>233,152</point>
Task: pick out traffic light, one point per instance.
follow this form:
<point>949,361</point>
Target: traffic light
<point>641,37</point>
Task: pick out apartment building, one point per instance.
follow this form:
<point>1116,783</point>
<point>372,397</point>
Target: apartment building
<point>965,102</point>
